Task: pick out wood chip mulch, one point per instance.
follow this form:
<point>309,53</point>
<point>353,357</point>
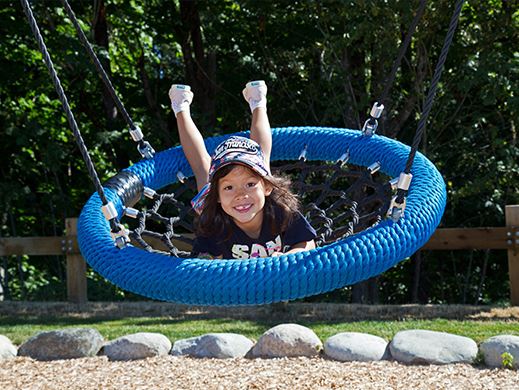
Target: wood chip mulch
<point>173,372</point>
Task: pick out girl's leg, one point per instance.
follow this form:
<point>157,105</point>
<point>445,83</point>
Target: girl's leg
<point>190,137</point>
<point>255,93</point>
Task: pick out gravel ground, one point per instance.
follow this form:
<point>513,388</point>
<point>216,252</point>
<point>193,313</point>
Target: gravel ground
<point>173,372</point>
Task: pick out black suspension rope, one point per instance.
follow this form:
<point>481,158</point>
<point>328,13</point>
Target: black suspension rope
<point>66,107</point>
<point>434,85</point>
<point>98,65</point>
<point>402,51</point>
<point>401,193</point>
<point>371,123</point>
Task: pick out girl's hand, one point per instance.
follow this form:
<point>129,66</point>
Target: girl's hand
<point>276,254</point>
<point>302,246</point>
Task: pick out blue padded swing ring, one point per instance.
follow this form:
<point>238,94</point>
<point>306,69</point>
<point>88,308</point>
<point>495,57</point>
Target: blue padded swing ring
<point>283,278</point>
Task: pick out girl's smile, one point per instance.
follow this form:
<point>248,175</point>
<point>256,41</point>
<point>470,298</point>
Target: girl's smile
<point>242,195</point>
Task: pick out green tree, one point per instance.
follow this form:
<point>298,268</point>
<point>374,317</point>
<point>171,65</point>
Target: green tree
<point>325,64</point>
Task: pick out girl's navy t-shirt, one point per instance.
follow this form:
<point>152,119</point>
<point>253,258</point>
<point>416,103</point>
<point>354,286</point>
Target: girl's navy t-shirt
<point>241,246</point>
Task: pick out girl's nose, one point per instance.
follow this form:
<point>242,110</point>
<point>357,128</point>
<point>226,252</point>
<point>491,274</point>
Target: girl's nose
<point>242,193</point>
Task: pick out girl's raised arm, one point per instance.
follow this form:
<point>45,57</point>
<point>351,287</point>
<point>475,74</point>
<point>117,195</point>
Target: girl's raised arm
<point>190,137</point>
<point>255,93</point>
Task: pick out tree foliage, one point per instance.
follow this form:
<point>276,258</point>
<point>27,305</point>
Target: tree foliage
<point>324,62</point>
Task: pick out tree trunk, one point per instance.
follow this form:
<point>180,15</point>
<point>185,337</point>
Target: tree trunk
<point>100,33</point>
<point>366,291</point>
<point>416,277</point>
<point>351,116</point>
<point>200,66</point>
<point>409,105</point>
<point>152,102</point>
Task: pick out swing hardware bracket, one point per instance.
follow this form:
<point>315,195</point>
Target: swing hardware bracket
<point>121,238</point>
<point>370,127</point>
<point>396,210</point>
<point>371,124</point>
<point>146,150</point>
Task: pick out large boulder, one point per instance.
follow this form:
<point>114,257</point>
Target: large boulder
<point>7,349</point>
<point>494,348</point>
<point>137,346</point>
<point>353,346</point>
<point>429,347</point>
<point>287,340</point>
<point>213,345</point>
<point>63,344</point>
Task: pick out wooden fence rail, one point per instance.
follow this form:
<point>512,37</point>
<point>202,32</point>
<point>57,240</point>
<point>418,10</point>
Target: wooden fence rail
<point>504,238</point>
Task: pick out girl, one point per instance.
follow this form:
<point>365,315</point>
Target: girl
<point>244,211</point>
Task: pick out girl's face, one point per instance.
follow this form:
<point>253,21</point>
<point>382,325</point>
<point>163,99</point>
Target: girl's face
<point>241,194</point>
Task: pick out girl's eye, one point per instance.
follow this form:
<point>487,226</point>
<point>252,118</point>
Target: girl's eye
<point>227,188</point>
<point>251,184</point>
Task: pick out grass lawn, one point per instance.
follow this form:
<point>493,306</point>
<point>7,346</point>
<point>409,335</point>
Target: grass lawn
<point>20,329</point>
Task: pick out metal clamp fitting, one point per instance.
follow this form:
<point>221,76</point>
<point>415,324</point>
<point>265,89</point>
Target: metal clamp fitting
<point>376,110</point>
<point>302,155</point>
<point>394,183</point>
<point>404,181</point>
<point>109,211</point>
<point>146,150</point>
<point>131,212</point>
<point>136,134</point>
<point>344,158</point>
<point>374,168</point>
<point>149,193</point>
<point>181,177</point>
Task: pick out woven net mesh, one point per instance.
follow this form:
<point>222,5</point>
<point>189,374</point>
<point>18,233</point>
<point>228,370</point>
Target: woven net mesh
<point>339,200</point>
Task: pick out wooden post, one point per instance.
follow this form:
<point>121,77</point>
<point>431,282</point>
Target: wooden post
<point>512,223</point>
<point>76,266</point>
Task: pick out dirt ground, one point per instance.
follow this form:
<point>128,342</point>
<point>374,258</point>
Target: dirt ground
<point>171,372</point>
<point>292,311</point>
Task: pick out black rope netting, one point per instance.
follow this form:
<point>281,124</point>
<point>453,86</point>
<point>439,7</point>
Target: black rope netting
<point>338,200</point>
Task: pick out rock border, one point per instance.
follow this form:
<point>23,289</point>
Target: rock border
<point>285,340</point>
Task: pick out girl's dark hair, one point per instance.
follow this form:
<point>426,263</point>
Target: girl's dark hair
<point>214,222</point>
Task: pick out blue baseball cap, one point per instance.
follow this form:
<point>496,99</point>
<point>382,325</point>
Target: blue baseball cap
<point>234,150</point>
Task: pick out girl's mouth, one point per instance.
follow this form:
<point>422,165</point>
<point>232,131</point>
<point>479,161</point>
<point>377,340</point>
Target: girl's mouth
<point>243,208</point>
